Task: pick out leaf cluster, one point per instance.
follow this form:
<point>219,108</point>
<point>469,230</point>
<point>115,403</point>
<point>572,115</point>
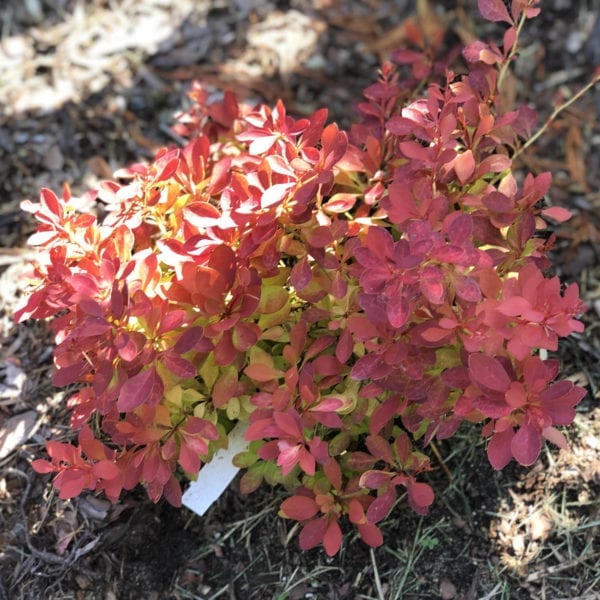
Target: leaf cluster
<point>350,295</point>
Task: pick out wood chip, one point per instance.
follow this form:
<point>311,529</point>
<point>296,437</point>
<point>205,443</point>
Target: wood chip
<point>16,431</point>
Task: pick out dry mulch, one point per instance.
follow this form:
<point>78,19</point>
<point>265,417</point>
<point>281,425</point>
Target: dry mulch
<point>85,89</point>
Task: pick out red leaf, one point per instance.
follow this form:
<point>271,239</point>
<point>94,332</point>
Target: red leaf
<point>464,165</point>
<point>299,508</point>
<point>494,10</point>
<point>420,497</point>
<point>188,458</point>
<point>345,346</point>
<point>556,437</point>
<point>333,473</point>
<point>301,274</point>
<point>332,539</point>
<point>289,423</point>
<point>373,479</point>
<point>383,414</point>
<point>225,387</point>
<point>144,388</point>
<point>43,466</point>
<point>361,461</point>
<point>380,448</point>
<point>172,492</point>
<point>370,534</point>
<point>188,339</point>
<point>488,373</point>
<point>467,289</point>
<point>498,450</point>
<point>526,445</point>
<point>106,469</point>
<point>312,533</point>
<point>398,311</point>
<point>71,483</point>
<point>262,373</point>
<point>381,506</point>
<point>340,203</point>
<point>557,213</point>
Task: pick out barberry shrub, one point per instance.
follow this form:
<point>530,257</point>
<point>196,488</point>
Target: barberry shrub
<point>350,295</point>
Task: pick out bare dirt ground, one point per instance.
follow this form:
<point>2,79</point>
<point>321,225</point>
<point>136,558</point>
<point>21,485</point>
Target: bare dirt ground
<point>89,86</point>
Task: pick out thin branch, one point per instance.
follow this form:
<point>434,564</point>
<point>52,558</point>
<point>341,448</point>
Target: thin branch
<point>556,112</point>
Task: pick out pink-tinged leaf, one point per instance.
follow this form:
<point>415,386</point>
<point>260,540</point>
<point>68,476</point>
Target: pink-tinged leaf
<point>71,483</point>
<point>557,213</point>
<point>556,437</point>
<point>201,214</point>
<point>172,492</point>
<point>225,387</point>
<point>559,401</point>
<point>494,10</point>
<point>262,373</point>
<point>360,462</point>
<point>275,194</point>
<point>464,166</point>
<point>189,339</point>
<point>370,534</point>
<point>374,479</point>
<point>478,51</point>
<point>333,473</point>
<point>129,344</point>
<point>344,347</point>
<point>301,274</point>
<point>289,423</point>
<point>381,506</point>
<point>327,404</point>
<point>488,373</point>
<point>432,284</point>
<point>332,539</point>
<point>189,459</point>
<point>365,366</point>
<point>305,459</point>
<point>516,396</point>
<point>398,311</point>
<point>312,533</point>
<point>460,227</point>
<point>383,414</point>
<point>496,163</point>
<point>106,469</point>
<point>526,445</point>
<point>499,450</point>
<point>356,512</point>
<point>299,508</point>
<point>320,236</point>
<point>179,366</point>
<point>340,203</point>
<point>380,448</point>
<point>509,39</point>
<point>262,144</point>
<point>420,497</point>
<point>326,365</point>
<point>144,388</point>
<point>70,374</point>
<point>43,466</point>
<point>245,335</point>
<point>415,151</point>
<point>513,306</point>
<point>171,320</point>
<point>466,289</point>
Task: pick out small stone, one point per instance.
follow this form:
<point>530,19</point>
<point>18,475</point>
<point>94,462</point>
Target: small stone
<point>54,159</point>
<point>447,589</point>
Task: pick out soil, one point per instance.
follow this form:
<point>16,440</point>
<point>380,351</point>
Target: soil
<point>86,89</point>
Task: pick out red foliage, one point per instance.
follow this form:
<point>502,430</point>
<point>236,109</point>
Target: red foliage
<point>351,296</point>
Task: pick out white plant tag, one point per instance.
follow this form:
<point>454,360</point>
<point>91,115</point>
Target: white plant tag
<point>215,476</point>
